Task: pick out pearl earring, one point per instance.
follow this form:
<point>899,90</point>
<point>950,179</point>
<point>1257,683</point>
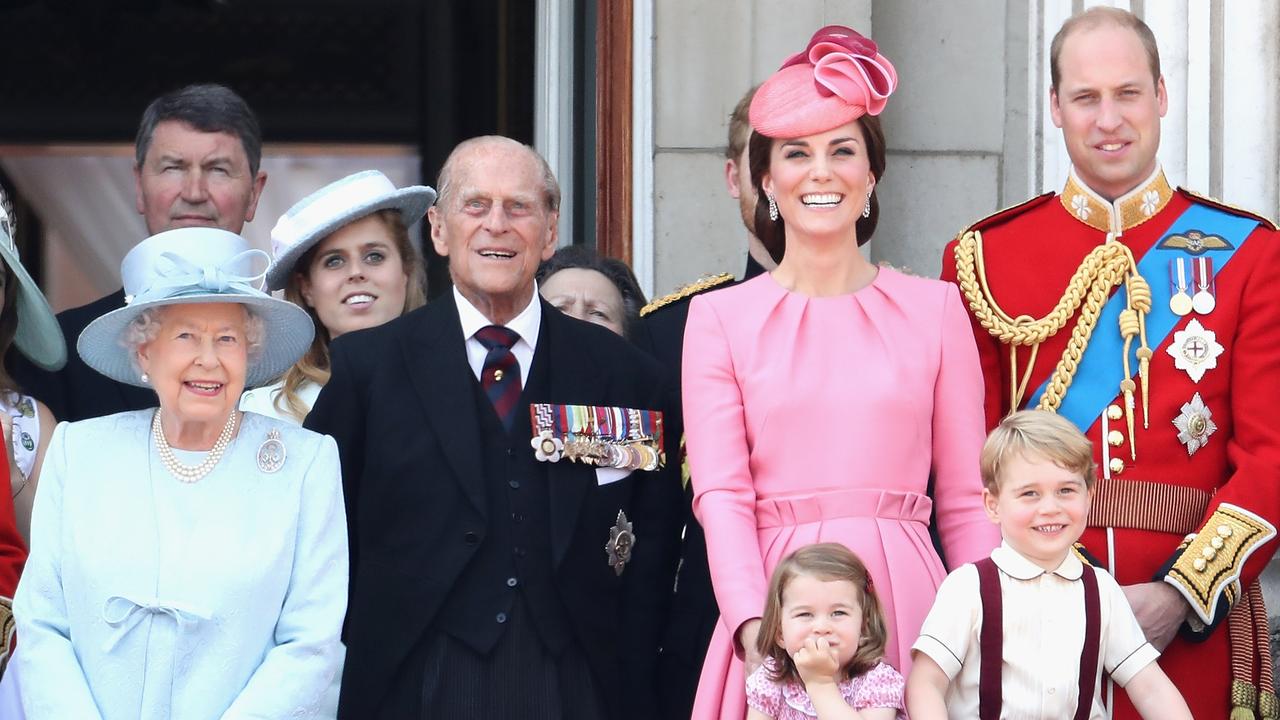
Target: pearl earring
<point>145,378</point>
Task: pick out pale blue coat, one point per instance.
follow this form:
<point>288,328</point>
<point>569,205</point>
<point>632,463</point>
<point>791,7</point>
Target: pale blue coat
<point>146,597</point>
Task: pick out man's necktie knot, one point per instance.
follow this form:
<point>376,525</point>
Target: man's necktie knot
<point>500,376</point>
<point>493,337</point>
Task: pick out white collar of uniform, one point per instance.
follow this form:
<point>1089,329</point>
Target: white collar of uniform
<point>1016,565</point>
<point>526,324</point>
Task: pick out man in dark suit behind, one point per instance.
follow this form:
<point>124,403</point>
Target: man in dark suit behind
<point>197,154</point>
<point>484,582</point>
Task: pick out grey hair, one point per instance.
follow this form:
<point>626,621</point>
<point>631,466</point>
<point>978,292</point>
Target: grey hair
<point>444,181</point>
<point>208,108</point>
<point>146,325</point>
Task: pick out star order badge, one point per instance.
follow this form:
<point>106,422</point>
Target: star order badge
<point>271,453</point>
<point>621,542</point>
<point>1195,425</point>
<point>1195,350</point>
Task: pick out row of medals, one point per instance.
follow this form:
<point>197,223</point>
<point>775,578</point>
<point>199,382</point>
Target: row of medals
<point>1194,349</point>
<point>639,455</point>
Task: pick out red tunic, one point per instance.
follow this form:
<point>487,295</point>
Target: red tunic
<point>13,553</point>
<point>1031,253</point>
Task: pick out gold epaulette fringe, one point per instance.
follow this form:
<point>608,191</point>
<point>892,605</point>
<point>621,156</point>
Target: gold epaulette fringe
<point>703,283</point>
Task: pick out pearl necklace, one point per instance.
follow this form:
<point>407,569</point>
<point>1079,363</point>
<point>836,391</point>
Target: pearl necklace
<point>192,473</point>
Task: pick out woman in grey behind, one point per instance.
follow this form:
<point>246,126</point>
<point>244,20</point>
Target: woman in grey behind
<point>188,561</point>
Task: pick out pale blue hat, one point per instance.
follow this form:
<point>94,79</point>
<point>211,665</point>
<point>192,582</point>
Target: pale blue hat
<point>319,214</point>
<point>38,335</point>
<point>196,265</point>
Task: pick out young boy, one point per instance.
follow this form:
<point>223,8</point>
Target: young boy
<point>1056,622</point>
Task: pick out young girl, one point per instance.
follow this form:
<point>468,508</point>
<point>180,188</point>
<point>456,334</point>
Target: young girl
<point>822,639</point>
<point>344,255</point>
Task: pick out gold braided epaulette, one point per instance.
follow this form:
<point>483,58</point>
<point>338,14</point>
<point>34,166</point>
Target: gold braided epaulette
<point>1006,213</point>
<point>702,284</point>
<point>1228,207</point>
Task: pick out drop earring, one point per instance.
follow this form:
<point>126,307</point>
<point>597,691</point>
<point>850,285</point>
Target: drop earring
<point>866,209</point>
<point>145,378</point>
<point>773,208</point>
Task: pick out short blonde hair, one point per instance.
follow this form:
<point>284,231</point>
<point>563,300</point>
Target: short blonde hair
<point>1037,433</point>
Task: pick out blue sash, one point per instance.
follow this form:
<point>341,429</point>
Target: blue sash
<point>1097,379</point>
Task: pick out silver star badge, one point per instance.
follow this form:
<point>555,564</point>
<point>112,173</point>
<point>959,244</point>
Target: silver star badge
<point>1195,350</point>
<point>621,541</point>
<point>1195,425</point>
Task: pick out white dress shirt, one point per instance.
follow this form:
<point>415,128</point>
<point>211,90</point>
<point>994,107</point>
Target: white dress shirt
<point>1044,620</point>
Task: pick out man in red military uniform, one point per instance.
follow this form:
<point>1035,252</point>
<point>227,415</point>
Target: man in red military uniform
<point>1150,317</point>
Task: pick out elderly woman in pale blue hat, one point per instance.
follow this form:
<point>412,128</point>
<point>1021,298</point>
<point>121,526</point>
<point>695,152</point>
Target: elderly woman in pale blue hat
<point>188,561</point>
<point>343,254</point>
<point>27,324</point>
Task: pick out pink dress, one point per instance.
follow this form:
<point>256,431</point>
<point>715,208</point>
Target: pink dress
<point>879,687</point>
<point>821,419</point>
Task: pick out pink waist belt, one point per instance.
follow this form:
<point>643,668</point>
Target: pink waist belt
<point>886,504</point>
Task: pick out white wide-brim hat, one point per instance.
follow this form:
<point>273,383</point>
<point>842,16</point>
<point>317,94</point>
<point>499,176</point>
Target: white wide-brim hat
<point>38,335</point>
<point>188,266</point>
<point>319,214</point>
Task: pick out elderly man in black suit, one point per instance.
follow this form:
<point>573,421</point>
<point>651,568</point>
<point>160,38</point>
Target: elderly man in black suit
<point>490,576</point>
<point>197,157</point>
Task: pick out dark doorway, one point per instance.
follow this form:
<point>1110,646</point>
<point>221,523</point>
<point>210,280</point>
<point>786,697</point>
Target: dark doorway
<point>426,73</point>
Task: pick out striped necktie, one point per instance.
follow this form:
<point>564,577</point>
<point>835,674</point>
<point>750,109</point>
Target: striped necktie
<point>500,376</point>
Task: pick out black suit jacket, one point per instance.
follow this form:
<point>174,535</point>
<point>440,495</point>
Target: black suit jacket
<point>401,405</point>
<point>77,391</point>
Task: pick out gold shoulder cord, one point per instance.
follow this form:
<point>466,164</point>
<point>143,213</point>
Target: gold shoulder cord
<point>1106,267</point>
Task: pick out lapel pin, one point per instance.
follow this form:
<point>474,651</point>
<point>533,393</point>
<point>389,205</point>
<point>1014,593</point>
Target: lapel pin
<point>271,453</point>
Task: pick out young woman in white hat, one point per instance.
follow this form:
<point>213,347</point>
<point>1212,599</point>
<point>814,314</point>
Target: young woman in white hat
<point>343,254</point>
<point>26,323</point>
<point>187,561</point>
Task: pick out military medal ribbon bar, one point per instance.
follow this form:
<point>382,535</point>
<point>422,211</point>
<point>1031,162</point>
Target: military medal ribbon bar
<point>616,437</point>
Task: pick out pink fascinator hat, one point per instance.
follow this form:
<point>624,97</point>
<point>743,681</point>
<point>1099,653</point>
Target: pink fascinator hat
<point>839,77</point>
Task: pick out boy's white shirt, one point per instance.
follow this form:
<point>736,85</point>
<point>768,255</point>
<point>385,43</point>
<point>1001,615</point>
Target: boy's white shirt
<point>1043,637</point>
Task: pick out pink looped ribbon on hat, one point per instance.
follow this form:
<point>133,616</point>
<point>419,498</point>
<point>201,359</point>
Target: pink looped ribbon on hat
<point>848,65</point>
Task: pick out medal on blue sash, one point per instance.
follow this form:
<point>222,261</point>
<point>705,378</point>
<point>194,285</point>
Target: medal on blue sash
<point>1098,375</point>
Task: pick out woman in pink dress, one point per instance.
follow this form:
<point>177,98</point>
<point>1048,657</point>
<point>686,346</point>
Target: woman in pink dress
<point>821,399</point>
